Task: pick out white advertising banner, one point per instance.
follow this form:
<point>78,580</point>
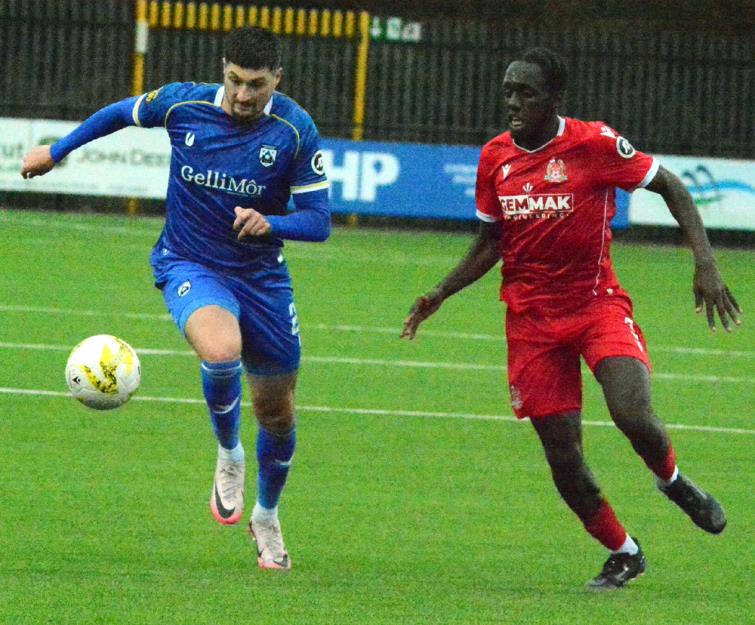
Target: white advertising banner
<point>723,190</point>
<point>132,162</point>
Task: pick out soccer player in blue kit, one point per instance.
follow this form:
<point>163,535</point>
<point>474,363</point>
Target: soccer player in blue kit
<point>239,151</point>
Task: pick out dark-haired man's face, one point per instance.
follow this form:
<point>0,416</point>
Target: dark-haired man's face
<point>247,91</point>
<point>531,110</point>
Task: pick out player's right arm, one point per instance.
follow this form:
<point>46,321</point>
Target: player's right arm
<point>42,158</point>
<point>147,110</point>
<point>482,256</point>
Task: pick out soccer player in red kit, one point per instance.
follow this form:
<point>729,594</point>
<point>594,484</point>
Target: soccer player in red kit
<point>545,199</point>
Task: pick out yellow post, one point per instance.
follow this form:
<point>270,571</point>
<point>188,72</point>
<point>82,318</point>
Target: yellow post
<point>203,15</point>
<point>178,15</point>
<point>313,18</point>
<point>137,75</point>
<point>325,23</point>
<point>360,83</point>
<point>154,13</point>
<point>288,21</point>
<point>337,23</point>
<point>165,21</point>
<point>265,17</point>
<point>301,22</point>
<point>215,16</point>
<point>227,17</point>
<point>277,20</point>
<point>191,15</point>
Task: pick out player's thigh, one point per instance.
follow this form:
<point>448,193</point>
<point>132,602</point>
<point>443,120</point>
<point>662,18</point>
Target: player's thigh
<point>626,386</point>
<point>214,333</point>
<point>610,331</point>
<point>269,323</point>
<point>203,307</point>
<point>543,367</point>
<point>273,400</point>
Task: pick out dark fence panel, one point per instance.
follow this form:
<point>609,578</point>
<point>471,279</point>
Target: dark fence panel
<point>668,91</point>
<point>64,58</point>
<point>671,92</point>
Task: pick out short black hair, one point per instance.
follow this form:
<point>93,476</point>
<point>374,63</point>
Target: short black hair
<point>552,66</point>
<point>252,48</point>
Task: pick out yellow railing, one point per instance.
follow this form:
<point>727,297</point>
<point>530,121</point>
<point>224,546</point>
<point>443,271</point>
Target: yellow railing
<point>216,16</point>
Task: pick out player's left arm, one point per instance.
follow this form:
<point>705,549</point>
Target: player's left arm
<point>708,286</point>
<point>310,222</point>
<point>308,185</point>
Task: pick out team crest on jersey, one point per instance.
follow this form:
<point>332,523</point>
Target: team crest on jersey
<point>267,155</point>
<point>152,95</point>
<point>556,171</point>
<point>317,164</point>
<point>624,148</point>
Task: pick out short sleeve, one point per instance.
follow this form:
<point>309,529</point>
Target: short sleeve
<point>151,108</point>
<point>486,198</point>
<point>308,173</point>
<point>619,164</point>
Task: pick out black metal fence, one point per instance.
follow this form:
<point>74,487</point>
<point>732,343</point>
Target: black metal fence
<point>668,91</point>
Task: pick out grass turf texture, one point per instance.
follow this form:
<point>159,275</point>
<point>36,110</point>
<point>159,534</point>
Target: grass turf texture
<point>390,517</point>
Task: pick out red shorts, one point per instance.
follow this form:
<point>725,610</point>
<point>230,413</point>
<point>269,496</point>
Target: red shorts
<point>544,352</point>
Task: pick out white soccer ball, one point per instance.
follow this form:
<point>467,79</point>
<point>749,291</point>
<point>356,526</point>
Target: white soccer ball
<point>103,372</point>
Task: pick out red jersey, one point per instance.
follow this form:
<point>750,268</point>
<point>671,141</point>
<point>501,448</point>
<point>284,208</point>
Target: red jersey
<point>556,204</point>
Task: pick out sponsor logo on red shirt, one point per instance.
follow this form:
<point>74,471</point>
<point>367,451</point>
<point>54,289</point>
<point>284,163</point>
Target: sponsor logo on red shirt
<point>537,206</point>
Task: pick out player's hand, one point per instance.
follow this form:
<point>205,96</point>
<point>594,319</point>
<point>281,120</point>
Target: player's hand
<point>37,162</point>
<point>711,293</point>
<point>250,223</point>
<point>425,306</point>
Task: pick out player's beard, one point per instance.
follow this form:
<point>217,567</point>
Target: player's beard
<point>246,114</point>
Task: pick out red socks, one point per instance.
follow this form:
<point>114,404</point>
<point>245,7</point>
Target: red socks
<point>665,469</point>
<point>605,527</point>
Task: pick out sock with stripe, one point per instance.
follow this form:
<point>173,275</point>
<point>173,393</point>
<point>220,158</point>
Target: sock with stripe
<point>606,529</point>
<point>274,454</point>
<point>665,471</point>
<point>221,383</point>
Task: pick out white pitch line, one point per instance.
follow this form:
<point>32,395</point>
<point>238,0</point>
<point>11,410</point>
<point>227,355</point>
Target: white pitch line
<point>358,329</point>
<point>385,362</point>
<point>379,412</point>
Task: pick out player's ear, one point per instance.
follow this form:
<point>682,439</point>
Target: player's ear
<point>278,74</point>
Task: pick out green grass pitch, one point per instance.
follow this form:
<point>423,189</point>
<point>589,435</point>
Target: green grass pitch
<point>415,497</point>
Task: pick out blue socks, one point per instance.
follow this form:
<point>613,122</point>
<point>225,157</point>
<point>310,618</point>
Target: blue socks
<point>221,383</point>
<point>274,455</point>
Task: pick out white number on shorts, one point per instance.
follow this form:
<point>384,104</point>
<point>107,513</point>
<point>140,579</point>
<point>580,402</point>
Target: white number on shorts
<point>630,323</point>
<point>294,319</point>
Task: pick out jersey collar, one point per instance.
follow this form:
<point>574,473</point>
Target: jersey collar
<point>559,132</point>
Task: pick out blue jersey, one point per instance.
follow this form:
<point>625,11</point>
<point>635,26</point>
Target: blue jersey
<point>218,163</point>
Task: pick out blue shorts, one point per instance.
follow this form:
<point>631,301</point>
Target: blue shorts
<point>261,298</point>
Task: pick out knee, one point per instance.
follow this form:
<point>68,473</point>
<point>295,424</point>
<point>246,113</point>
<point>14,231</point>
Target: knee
<point>564,456</point>
<point>279,425</point>
<point>629,406</point>
<point>220,351</point>
<point>275,413</point>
